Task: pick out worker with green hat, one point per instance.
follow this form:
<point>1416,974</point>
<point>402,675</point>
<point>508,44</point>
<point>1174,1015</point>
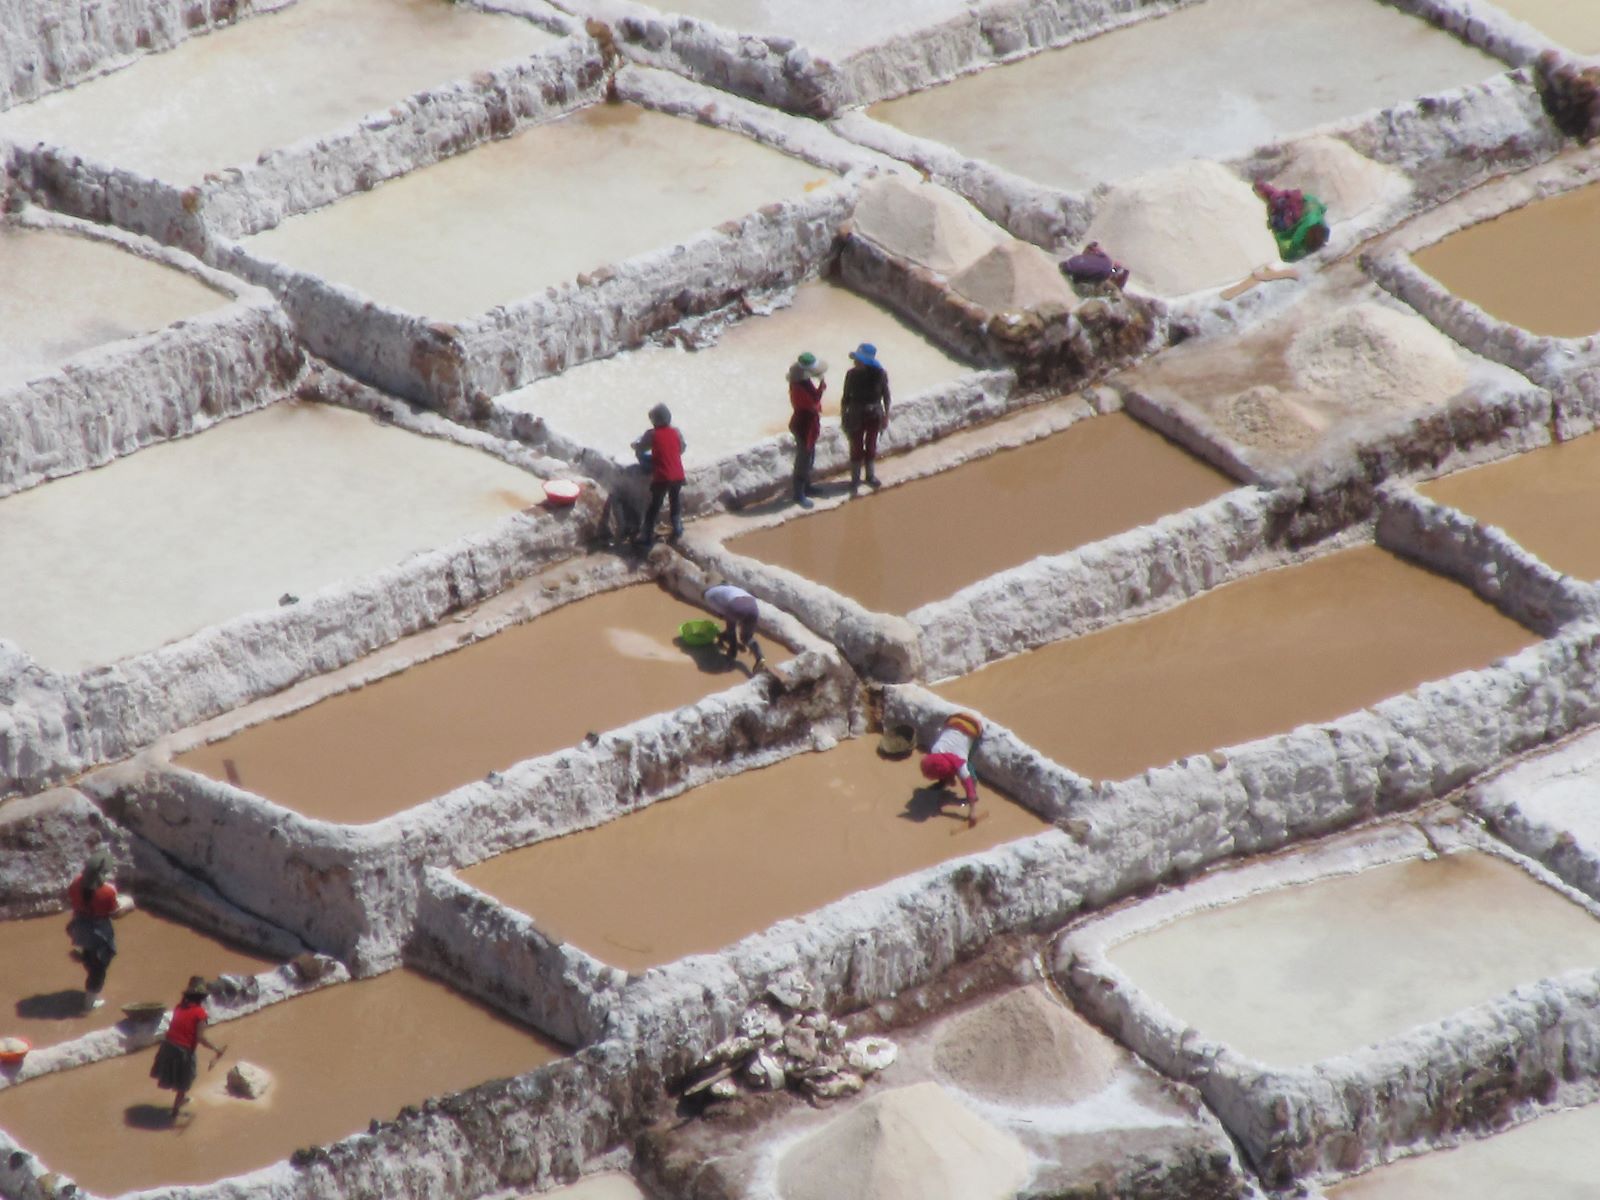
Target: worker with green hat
<point>806,386</point>
<point>95,902</point>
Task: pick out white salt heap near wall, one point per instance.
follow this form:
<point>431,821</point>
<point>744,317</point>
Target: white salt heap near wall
<point>1184,229</point>
<point>1025,1048</point>
<point>1347,182</point>
<point>1263,416</point>
<point>912,1143</point>
<point>924,223</point>
<point>1012,277</point>
<point>1369,358</point>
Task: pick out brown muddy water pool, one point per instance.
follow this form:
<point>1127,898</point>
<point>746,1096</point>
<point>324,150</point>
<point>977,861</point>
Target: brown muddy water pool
<point>1533,267</point>
<point>1256,657</point>
<point>61,294</point>
<point>730,395</point>
<point>41,988</point>
<point>925,540</point>
<point>1234,74</point>
<point>546,204</point>
<point>1548,500</point>
<point>268,81</point>
<point>1302,973</point>
<point>338,1057</point>
<point>1556,1157</point>
<point>541,686</point>
<point>698,872</point>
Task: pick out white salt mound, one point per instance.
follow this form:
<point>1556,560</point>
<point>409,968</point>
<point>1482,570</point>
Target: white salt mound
<point>1265,418</point>
<point>1184,229</point>
<point>1012,277</point>
<point>1369,358</point>
<point>924,223</point>
<point>912,1143</point>
<point>1347,182</point>
<point>1026,1048</point>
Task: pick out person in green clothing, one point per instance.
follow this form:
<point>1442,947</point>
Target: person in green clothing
<point>1298,220</point>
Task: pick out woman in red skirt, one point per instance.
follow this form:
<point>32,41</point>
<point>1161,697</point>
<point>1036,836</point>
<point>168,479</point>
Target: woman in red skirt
<point>175,1068</point>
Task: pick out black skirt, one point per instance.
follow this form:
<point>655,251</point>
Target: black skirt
<point>174,1069</point>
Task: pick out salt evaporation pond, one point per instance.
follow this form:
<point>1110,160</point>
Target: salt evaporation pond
<point>338,1058</point>
<point>1574,24</point>
<point>1101,476</point>
<point>41,995</point>
<point>1251,658</point>
<point>311,67</point>
<point>1211,80</point>
<point>1533,267</point>
<point>541,686</point>
<point>829,26</point>
<point>1547,500</point>
<point>183,535</point>
<point>508,219</point>
<point>727,396</point>
<point>62,294</point>
<point>653,886</point>
<point>1302,973</point>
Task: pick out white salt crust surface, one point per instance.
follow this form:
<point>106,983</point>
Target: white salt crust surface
<point>313,67</point>
<point>190,533</point>
<point>598,1187</point>
<point>1555,1157</point>
<point>509,218</point>
<point>1211,80</point>
<point>825,26</point>
<point>1370,357</point>
<point>61,294</point>
<point>734,393</point>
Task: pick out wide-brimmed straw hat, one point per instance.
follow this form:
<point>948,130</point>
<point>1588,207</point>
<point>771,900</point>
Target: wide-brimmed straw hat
<point>807,366</point>
<point>866,354</point>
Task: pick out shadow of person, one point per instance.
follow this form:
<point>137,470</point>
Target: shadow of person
<point>928,802</point>
<point>712,659</point>
<point>149,1116</point>
<point>51,1006</point>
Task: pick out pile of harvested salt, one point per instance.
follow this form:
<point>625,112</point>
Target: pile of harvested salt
<point>1370,358</point>
<point>1264,417</point>
<point>924,223</point>
<point>1026,1048</point>
<point>913,1143</point>
<point>1347,182</point>
<point>1014,277</point>
<point>1184,229</point>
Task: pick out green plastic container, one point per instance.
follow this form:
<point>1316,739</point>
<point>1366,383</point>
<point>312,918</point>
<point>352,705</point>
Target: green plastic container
<point>698,633</point>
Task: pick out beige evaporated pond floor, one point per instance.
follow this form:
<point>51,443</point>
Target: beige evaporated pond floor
<point>314,67</point>
<point>1256,657</point>
<point>1574,24</point>
<point>698,872</point>
<point>1534,267</point>
<point>836,26</point>
<point>1556,1157</point>
<point>1241,73</point>
<point>510,218</point>
<point>1099,477</point>
<point>729,395</point>
<point>61,294</point>
<point>541,686</point>
<point>339,1057</point>
<point>186,534</point>
<point>1302,973</point>
<point>42,988</point>
<point>1548,500</point>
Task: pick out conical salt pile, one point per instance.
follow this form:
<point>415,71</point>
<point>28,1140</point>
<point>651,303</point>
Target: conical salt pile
<point>1026,1048</point>
<point>914,1143</point>
<point>1347,182</point>
<point>924,223</point>
<point>1012,277</point>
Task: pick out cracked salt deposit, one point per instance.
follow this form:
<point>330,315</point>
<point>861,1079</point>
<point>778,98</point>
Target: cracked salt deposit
<point>1273,595</point>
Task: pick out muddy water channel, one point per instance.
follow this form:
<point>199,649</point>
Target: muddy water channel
<point>1241,72</point>
<point>1556,1157</point>
<point>546,204</point>
<point>727,396</point>
<point>339,1057</point>
<point>653,886</point>
<point>541,686</point>
<point>1548,500</point>
<point>1290,646</point>
<point>1099,477</point>
<point>62,294</point>
<point>41,990</point>
<point>315,66</point>
<point>1302,973</point>
<point>1534,267</point>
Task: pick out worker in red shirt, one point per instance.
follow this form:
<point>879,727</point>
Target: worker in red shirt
<point>95,903</point>
<point>806,387</point>
<point>175,1068</point>
<point>662,449</point>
